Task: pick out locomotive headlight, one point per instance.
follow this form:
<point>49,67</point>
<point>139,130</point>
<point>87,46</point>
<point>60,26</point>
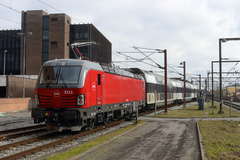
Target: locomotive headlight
<point>80,100</point>
<point>37,100</point>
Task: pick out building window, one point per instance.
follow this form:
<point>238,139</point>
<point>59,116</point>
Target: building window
<point>45,46</point>
<point>54,43</point>
<point>76,35</point>
<point>45,39</point>
<point>45,22</point>
<point>81,35</point>
<point>9,42</point>
<point>45,34</point>
<point>45,56</point>
<point>54,19</point>
<point>86,35</point>
<point>68,21</point>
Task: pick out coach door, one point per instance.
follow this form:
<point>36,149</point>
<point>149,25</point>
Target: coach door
<point>99,89</point>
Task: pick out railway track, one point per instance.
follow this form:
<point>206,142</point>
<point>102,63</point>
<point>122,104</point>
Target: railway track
<point>234,105</point>
<point>51,144</point>
<point>4,123</point>
<point>23,133</point>
<point>21,129</point>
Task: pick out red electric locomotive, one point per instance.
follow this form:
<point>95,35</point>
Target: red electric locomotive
<point>74,94</point>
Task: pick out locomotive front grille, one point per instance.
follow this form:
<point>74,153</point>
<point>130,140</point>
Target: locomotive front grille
<point>65,101</point>
<point>69,101</point>
<point>46,101</point>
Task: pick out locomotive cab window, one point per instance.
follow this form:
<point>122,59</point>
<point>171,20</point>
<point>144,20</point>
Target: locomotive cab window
<point>59,75</point>
<point>49,75</point>
<point>69,75</point>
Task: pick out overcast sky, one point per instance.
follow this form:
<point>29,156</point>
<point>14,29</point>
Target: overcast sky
<point>188,29</point>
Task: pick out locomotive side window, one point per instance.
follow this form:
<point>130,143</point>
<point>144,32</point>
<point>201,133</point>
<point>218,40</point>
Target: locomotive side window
<point>99,79</point>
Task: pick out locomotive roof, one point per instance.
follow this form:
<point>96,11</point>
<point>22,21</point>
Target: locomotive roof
<point>90,65</point>
<point>73,62</point>
<point>123,71</point>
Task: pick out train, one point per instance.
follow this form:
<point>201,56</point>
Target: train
<point>73,94</point>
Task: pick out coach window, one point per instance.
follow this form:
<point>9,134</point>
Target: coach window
<point>99,79</point>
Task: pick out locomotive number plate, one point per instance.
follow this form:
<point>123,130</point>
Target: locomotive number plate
<point>68,92</point>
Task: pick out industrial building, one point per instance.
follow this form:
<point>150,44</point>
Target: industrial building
<point>231,89</point>
<point>10,52</point>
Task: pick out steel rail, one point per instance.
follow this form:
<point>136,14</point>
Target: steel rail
<point>15,121</point>
<point>227,102</point>
<point>21,129</point>
<point>26,141</point>
<point>38,130</point>
<point>233,105</point>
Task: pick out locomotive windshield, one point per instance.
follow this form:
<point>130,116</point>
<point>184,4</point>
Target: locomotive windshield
<point>59,75</point>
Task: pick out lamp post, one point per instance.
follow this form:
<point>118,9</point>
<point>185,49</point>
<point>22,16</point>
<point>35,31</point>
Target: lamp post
<point>4,60</point>
<point>24,55</point>
<point>200,82</point>
<point>220,72</point>
<point>184,80</point>
<point>212,86</point>
<point>220,65</point>
<point>165,78</point>
<point>208,89</point>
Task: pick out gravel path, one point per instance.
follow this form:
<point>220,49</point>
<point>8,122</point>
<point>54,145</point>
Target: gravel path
<point>157,139</point>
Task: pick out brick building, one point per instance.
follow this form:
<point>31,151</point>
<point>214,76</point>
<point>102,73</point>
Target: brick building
<point>51,38</point>
<point>15,86</point>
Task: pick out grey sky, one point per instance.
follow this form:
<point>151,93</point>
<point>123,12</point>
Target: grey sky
<point>188,29</point>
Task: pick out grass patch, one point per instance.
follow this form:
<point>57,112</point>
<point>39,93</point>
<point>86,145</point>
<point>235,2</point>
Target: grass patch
<point>92,143</point>
<point>193,112</point>
<point>221,139</point>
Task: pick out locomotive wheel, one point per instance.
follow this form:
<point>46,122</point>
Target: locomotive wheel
<point>91,125</point>
<point>105,118</point>
<point>105,121</point>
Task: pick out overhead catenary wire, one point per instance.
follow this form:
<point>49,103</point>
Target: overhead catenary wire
<point>136,61</point>
<point>10,8</point>
<point>58,10</point>
<point>175,70</point>
<point>233,67</point>
<point>10,20</point>
<point>137,48</point>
